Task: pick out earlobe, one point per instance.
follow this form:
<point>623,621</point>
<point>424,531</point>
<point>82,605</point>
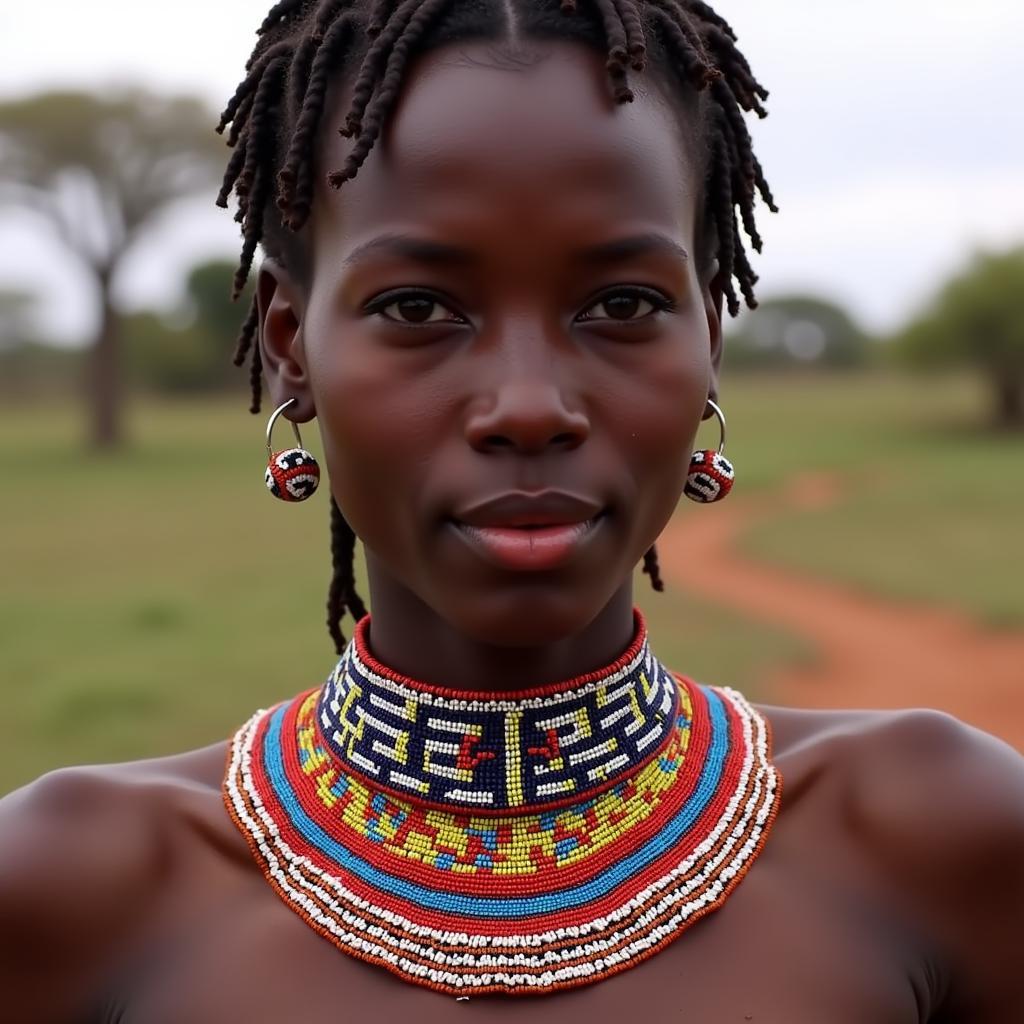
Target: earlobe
<point>278,300</point>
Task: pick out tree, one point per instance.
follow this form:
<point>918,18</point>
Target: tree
<point>977,319</point>
<point>100,169</point>
<point>208,296</point>
<point>796,331</point>
<point>189,350</point>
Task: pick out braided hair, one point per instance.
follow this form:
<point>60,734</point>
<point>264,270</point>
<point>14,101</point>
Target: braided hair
<point>273,119</point>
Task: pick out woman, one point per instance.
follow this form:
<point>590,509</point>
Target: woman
<point>499,291</point>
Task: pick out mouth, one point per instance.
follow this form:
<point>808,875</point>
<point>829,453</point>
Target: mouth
<point>531,531</point>
<point>530,546</point>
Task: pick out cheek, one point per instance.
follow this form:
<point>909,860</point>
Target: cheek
<point>379,421</point>
<point>660,417</point>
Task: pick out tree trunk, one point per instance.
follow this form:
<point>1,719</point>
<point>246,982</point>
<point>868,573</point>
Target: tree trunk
<point>105,378</point>
<point>1009,394</point>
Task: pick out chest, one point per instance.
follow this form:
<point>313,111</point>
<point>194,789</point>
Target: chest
<point>779,952</point>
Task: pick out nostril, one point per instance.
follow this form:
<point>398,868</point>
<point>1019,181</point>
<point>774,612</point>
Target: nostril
<point>558,441</point>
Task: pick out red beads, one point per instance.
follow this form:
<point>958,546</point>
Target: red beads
<point>711,477</point>
<point>292,475</point>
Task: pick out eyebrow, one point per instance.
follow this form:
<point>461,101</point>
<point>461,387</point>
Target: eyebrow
<point>620,249</point>
<point>421,250</point>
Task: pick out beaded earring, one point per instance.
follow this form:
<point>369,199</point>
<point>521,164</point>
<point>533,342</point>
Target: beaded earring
<point>711,474</point>
<point>292,474</point>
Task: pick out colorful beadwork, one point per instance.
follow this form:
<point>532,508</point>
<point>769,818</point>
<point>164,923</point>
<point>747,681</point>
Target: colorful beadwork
<point>711,477</point>
<point>376,813</point>
<point>292,475</point>
<point>556,746</point>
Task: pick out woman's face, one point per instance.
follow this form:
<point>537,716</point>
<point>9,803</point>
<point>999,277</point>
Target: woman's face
<point>505,300</point>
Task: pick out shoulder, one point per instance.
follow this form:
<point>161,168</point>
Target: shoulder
<point>90,810</point>
<point>915,782</point>
<point>918,764</point>
<point>946,802</point>
<point>938,807</point>
<point>82,855</point>
<point>925,779</point>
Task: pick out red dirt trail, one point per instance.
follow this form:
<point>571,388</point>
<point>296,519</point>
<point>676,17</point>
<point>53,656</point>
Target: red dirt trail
<point>872,653</point>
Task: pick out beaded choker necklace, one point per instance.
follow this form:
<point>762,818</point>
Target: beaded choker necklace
<point>543,840</point>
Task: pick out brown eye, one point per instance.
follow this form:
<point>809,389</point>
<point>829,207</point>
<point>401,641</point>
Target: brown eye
<point>631,304</point>
<point>413,308</point>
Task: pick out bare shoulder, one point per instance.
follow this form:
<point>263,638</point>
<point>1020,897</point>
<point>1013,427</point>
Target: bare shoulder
<point>897,763</point>
<point>938,806</point>
<point>82,855</point>
<point>946,778</point>
<point>915,782</point>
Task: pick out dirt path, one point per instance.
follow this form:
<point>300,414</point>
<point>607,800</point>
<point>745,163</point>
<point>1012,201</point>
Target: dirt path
<point>873,652</point>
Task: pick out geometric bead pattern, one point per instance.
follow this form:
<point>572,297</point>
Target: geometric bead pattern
<point>517,845</point>
<point>458,750</point>
<point>711,477</point>
<point>292,475</point>
<point>523,898</point>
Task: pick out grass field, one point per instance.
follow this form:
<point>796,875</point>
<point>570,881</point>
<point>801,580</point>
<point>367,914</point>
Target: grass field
<point>149,602</point>
<point>932,502</point>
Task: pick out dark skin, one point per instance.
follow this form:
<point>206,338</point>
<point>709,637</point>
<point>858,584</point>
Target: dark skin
<point>891,887</point>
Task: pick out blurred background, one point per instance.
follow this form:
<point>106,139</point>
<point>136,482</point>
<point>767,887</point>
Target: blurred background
<point>870,556</point>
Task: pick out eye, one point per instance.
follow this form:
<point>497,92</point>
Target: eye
<point>628,304</point>
<point>413,308</point>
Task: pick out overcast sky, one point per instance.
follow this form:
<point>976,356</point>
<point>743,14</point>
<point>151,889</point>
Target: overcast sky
<point>894,146</point>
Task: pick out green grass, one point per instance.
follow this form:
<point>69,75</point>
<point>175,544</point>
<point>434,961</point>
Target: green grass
<point>150,601</point>
<point>932,503</point>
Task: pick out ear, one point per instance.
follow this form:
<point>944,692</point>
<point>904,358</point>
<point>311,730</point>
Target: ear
<point>714,294</point>
<point>279,301</point>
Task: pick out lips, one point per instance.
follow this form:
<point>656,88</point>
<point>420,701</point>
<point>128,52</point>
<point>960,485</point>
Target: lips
<point>521,532</point>
<point>520,510</point>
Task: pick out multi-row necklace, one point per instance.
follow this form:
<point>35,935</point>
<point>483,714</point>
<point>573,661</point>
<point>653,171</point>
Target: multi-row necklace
<point>545,839</point>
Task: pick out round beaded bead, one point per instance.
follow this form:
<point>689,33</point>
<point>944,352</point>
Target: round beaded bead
<point>292,475</point>
<point>711,477</point>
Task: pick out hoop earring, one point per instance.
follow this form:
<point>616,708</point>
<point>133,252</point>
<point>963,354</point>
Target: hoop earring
<point>292,474</point>
<point>711,473</point>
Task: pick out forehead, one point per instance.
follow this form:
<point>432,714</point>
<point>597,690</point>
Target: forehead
<point>533,138</point>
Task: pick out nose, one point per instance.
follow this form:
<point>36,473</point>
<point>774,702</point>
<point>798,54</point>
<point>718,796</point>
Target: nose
<point>527,409</point>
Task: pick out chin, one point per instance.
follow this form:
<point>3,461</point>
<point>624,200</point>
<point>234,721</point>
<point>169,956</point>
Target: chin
<point>525,616</point>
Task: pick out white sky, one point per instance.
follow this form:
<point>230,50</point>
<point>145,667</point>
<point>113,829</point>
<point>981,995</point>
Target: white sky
<point>894,145</point>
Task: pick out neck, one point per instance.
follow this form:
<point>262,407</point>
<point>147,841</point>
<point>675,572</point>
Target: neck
<point>541,645</point>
